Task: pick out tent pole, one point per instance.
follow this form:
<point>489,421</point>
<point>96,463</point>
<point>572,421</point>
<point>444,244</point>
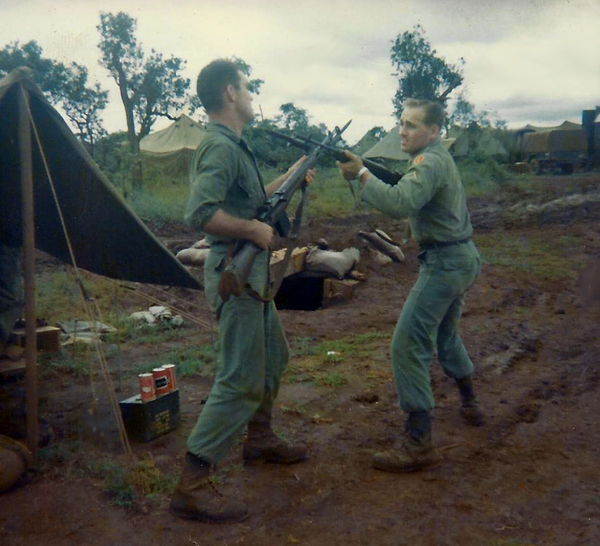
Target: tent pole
<point>27,221</point>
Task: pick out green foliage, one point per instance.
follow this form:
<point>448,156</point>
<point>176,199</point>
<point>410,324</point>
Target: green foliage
<point>481,173</point>
<point>49,74</point>
<point>332,379</point>
<point>189,359</point>
<point>421,73</point>
<point>149,87</point>
<point>63,85</point>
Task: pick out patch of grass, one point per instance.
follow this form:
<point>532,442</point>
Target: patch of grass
<point>509,542</point>
<point>302,346</point>
<point>74,359</point>
<point>312,365</point>
<point>128,485</point>
<point>536,255</point>
<point>189,359</point>
<point>332,379</point>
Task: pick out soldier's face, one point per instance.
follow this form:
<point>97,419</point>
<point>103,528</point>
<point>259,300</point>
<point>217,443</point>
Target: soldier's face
<point>414,133</point>
<point>244,100</point>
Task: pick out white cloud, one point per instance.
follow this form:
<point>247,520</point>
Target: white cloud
<point>536,58</point>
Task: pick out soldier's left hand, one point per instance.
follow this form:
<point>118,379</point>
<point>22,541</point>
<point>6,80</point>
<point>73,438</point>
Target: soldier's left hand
<point>350,168</point>
<point>310,174</point>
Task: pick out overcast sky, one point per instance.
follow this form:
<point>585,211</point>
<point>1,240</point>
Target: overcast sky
<point>530,61</point>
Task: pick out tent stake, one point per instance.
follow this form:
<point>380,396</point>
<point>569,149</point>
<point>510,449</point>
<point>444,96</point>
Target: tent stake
<point>28,271</point>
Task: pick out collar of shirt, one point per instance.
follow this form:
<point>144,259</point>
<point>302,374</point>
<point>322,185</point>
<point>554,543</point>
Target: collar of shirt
<point>437,142</point>
<point>224,130</point>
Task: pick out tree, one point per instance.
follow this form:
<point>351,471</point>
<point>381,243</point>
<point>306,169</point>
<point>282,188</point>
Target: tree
<point>49,74</point>
<point>464,114</point>
<point>149,88</point>
<point>421,73</point>
<point>253,84</point>
<point>64,86</point>
<point>293,118</point>
<point>82,105</point>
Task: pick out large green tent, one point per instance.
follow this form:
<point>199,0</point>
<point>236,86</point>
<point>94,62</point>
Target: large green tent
<point>171,149</point>
<point>106,236</point>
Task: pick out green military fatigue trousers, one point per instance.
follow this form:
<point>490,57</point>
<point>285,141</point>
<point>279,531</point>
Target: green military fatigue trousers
<point>253,353</point>
<point>429,320</point>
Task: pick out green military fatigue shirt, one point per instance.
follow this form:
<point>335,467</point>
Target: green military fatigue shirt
<point>224,175</point>
<point>430,194</point>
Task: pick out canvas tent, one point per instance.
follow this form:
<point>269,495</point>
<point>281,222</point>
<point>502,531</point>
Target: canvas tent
<point>106,236</point>
<point>43,170</point>
<point>481,139</point>
<point>171,149</point>
<point>389,147</point>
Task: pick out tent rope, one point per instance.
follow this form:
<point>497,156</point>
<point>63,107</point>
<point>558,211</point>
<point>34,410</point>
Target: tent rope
<point>84,297</point>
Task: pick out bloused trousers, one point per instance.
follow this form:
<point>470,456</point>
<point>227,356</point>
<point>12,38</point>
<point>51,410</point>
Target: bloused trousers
<point>253,353</point>
<point>429,321</point>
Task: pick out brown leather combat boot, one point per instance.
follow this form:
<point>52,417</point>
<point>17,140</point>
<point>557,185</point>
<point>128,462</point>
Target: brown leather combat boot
<point>411,456</point>
<point>196,497</point>
<point>469,410</point>
<point>264,445</point>
<point>416,450</point>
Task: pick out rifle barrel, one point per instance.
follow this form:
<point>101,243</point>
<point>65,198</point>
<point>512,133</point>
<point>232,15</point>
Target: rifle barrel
<point>306,143</point>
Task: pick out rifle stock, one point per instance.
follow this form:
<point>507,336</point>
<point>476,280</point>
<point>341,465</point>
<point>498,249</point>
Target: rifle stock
<point>235,276</point>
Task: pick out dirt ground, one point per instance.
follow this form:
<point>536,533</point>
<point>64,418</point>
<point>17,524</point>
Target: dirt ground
<point>530,476</point>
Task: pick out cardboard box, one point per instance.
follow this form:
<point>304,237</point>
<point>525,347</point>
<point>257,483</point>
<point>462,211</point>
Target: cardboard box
<point>48,338</point>
<point>338,290</point>
<point>146,421</point>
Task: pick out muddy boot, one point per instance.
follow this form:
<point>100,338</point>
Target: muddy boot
<point>416,451</point>
<point>264,445</point>
<point>196,497</point>
<point>469,409</point>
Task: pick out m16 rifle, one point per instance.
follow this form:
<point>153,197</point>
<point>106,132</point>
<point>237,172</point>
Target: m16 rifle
<point>235,276</point>
<point>306,143</point>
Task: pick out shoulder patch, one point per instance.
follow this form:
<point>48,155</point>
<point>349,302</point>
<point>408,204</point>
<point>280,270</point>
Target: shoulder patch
<point>419,159</point>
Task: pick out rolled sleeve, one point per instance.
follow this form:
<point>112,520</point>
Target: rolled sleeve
<point>414,190</point>
<point>212,176</point>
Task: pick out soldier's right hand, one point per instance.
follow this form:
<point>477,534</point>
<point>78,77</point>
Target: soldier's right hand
<point>261,234</point>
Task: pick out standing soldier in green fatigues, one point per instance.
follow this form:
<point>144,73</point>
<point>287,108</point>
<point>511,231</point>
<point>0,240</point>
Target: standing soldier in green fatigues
<point>226,192</point>
<point>432,196</point>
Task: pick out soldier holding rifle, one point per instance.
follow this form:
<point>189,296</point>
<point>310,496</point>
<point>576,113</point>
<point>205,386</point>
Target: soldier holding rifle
<point>432,197</point>
<point>226,192</point>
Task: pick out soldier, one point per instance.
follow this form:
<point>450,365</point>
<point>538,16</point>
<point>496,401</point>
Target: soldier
<point>226,191</point>
<point>432,196</point>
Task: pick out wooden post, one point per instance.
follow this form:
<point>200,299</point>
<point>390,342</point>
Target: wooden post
<point>28,224</point>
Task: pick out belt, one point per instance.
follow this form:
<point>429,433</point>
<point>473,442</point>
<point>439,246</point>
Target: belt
<point>440,244</point>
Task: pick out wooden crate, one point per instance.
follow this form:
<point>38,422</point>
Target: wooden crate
<point>48,338</point>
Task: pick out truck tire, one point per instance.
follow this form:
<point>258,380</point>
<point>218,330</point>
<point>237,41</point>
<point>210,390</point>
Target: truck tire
<point>567,168</point>
<point>535,166</point>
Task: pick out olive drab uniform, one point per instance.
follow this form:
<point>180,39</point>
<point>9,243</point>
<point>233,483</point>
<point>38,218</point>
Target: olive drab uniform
<point>253,351</point>
<point>432,196</point>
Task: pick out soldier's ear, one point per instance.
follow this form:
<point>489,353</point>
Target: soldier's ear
<point>230,93</point>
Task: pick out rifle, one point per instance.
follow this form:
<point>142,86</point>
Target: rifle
<point>235,276</point>
<point>304,142</point>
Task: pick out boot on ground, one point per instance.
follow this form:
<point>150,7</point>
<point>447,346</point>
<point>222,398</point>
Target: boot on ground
<point>415,453</point>
<point>469,410</point>
<point>197,497</point>
<point>411,456</point>
<point>263,444</point>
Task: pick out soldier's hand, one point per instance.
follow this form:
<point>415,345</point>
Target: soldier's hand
<point>261,234</point>
<point>310,174</point>
<point>350,168</point>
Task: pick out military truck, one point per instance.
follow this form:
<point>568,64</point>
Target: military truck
<point>551,148</point>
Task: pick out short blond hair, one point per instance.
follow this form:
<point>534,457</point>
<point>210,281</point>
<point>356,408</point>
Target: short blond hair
<point>434,111</point>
